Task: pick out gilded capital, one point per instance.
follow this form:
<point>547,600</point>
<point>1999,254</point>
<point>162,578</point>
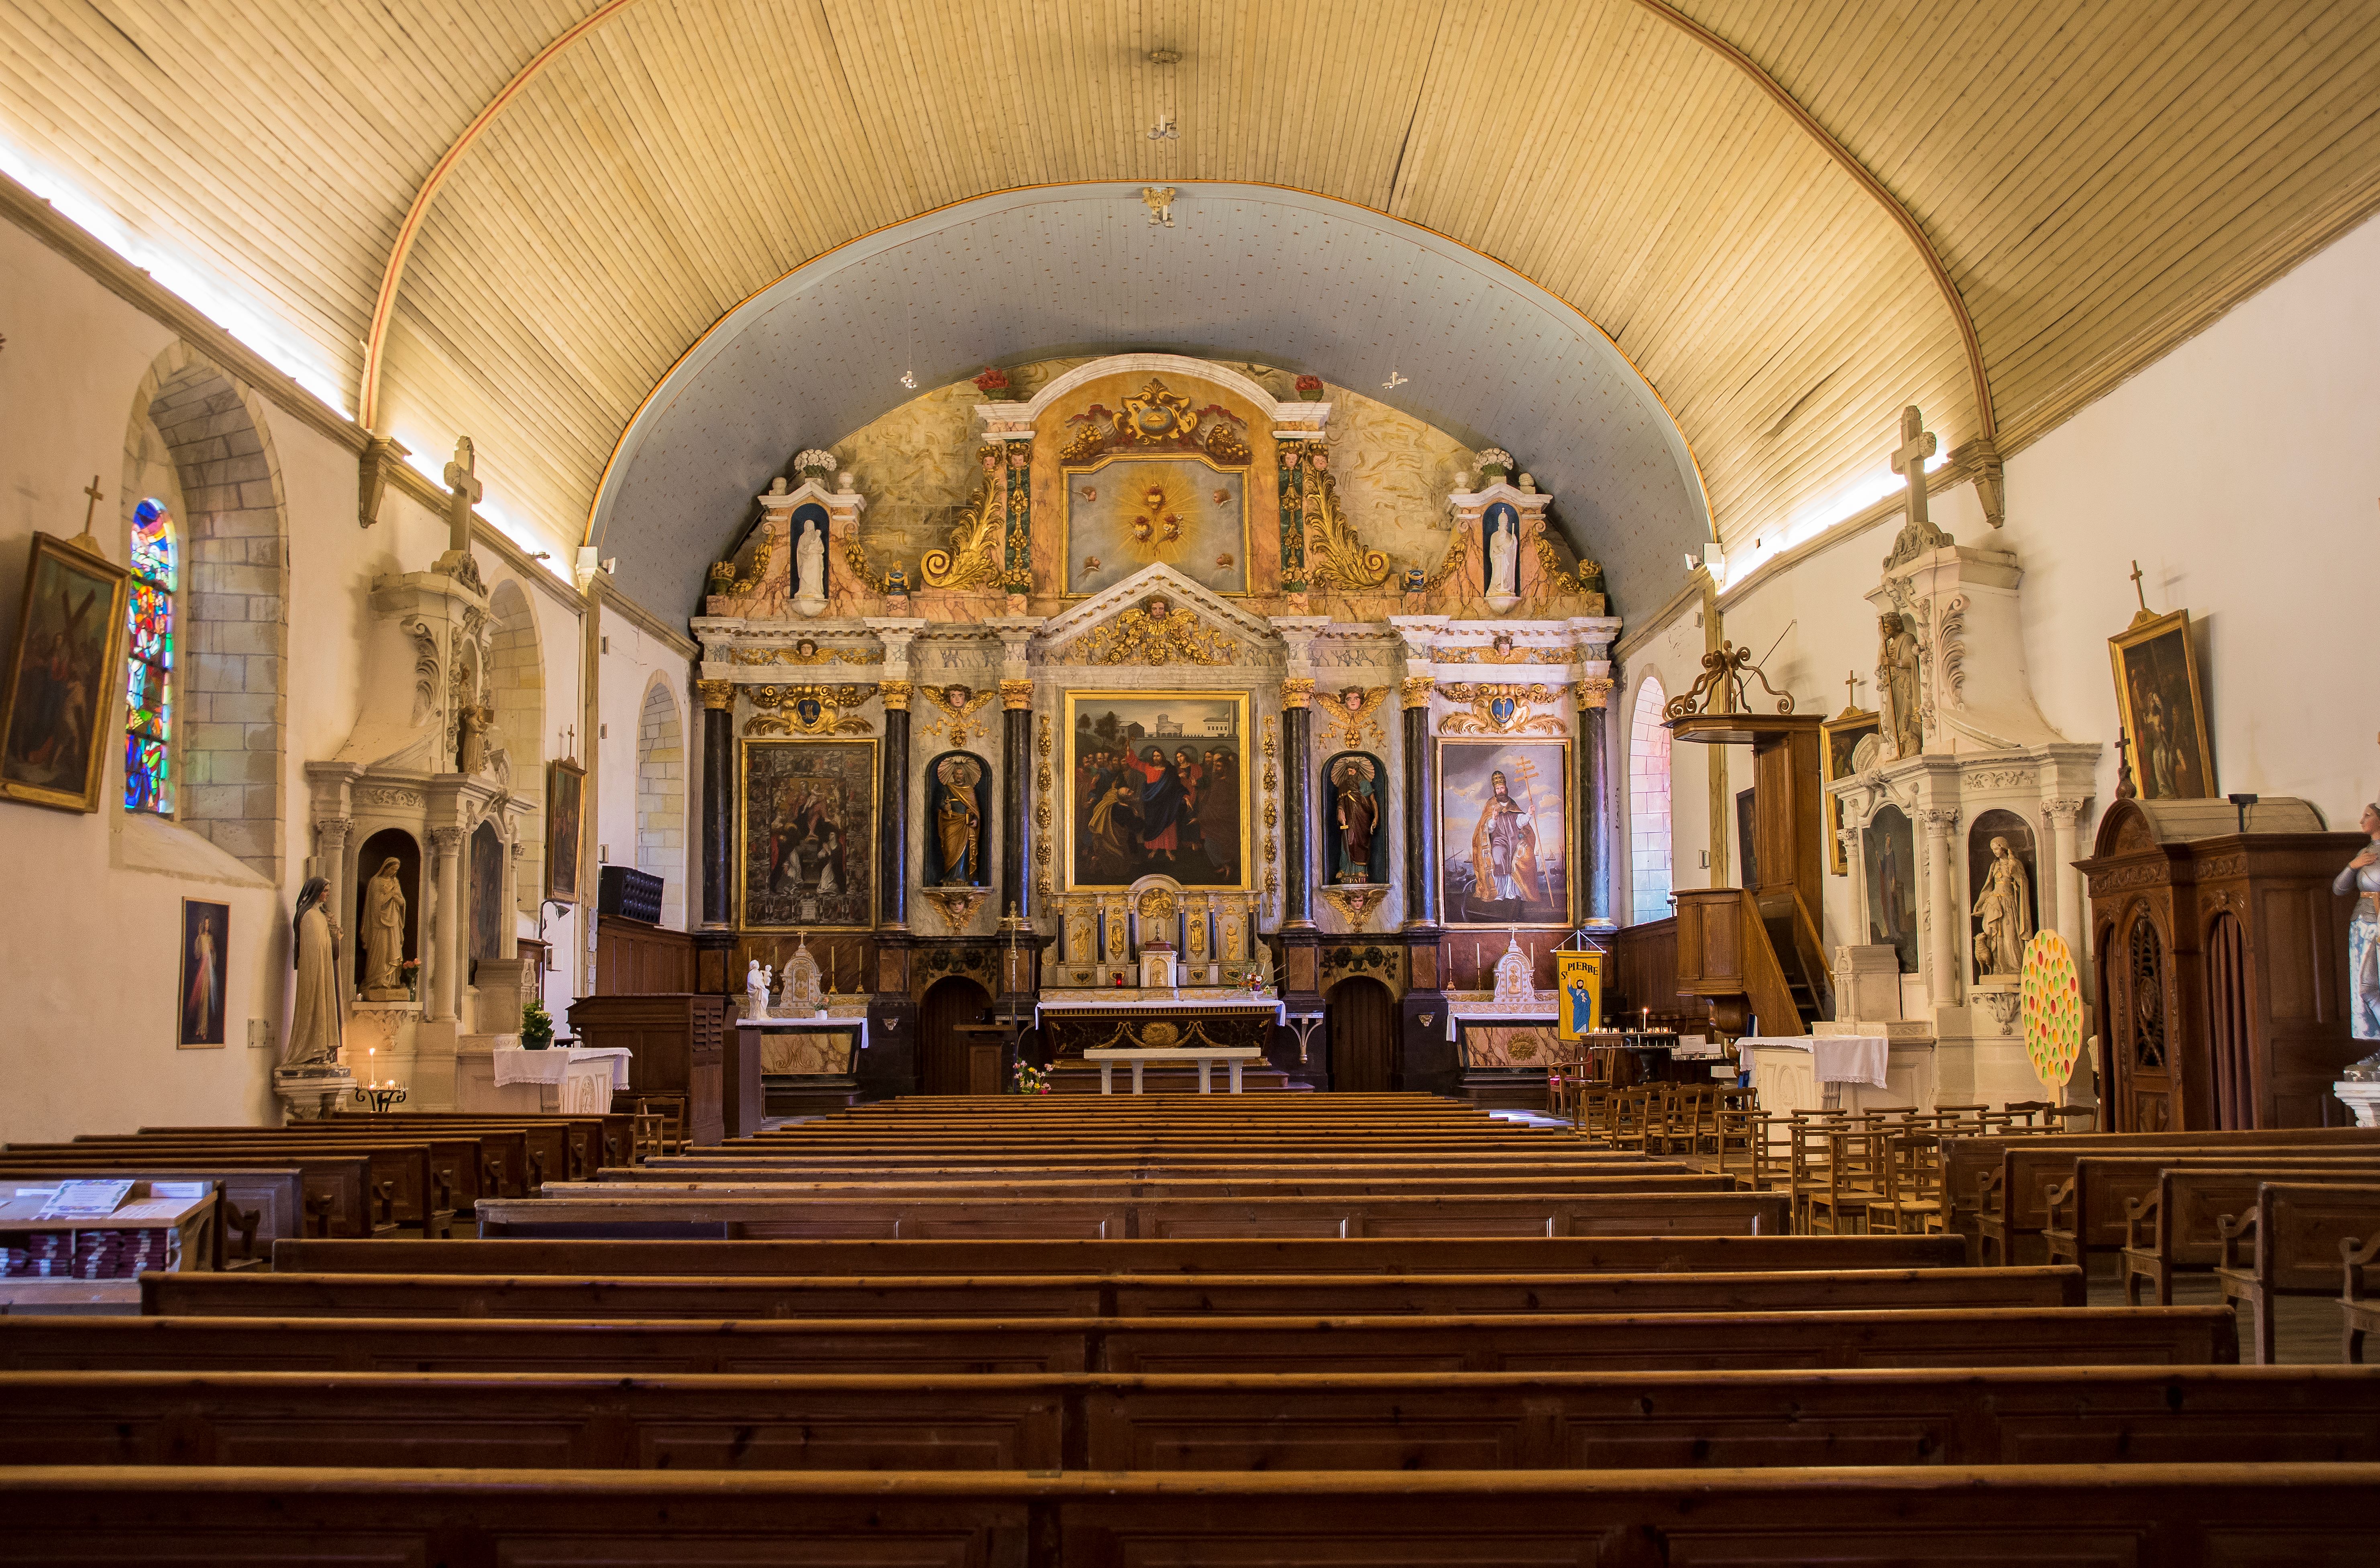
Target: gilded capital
<point>716,694</point>
<point>1016,693</point>
<point>1298,692</point>
<point>896,695</point>
<point>1593,691</point>
<point>1417,691</point>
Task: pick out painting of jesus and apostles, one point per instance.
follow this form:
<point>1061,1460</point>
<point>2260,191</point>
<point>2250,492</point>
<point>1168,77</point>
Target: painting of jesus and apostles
<point>1156,784</point>
<point>1503,822</point>
<point>808,835</point>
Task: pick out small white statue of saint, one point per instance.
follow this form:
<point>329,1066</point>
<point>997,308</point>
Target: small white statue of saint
<point>809,569</point>
<point>755,989</point>
<point>385,926</point>
<point>1502,574</point>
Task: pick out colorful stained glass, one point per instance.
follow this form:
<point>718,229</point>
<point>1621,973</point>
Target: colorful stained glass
<point>149,663</point>
<point>153,544</point>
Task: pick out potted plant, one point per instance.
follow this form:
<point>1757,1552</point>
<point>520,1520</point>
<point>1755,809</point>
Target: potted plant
<point>537,1026</point>
<point>993,383</point>
<point>409,973</point>
<point>1310,388</point>
<point>1030,1079</point>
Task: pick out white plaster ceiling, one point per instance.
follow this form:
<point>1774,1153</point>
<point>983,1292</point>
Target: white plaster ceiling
<point>1246,273</point>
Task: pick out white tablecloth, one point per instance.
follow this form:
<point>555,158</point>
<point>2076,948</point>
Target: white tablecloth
<point>555,1063</point>
<point>1835,1059</point>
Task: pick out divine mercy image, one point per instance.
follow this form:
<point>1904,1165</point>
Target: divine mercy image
<point>1503,832</point>
<point>1156,784</point>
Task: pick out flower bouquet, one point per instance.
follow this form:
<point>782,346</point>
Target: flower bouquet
<point>1030,1079</point>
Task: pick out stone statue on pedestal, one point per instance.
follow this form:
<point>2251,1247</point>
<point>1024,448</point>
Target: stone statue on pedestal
<point>1503,569</point>
<point>2005,905</point>
<point>809,569</point>
<point>1895,687</point>
<point>384,910</point>
<point>317,1012</point>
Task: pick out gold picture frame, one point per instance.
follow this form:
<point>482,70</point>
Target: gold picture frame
<point>566,811</point>
<point>66,586</point>
<point>2157,670</point>
<point>1544,768</point>
<point>857,848</point>
<point>1081,849</point>
<point>1837,738</point>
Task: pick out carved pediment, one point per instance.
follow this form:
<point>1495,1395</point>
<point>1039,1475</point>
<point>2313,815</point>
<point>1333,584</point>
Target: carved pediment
<point>1155,619</point>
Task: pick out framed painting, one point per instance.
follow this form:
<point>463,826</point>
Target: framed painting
<point>206,936</point>
<point>806,834</point>
<point>565,810</point>
<point>1839,737</point>
<point>1503,823</point>
<point>1889,845</point>
<point>1131,510</point>
<point>2163,713</point>
<point>1157,783</point>
<point>63,674</point>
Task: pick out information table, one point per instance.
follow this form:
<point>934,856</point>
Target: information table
<point>1206,1056</point>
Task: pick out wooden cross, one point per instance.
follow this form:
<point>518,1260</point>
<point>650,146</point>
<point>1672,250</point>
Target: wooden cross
<point>91,511</point>
<point>1850,692</point>
<point>463,481</point>
<point>1916,445</point>
<point>2136,589</point>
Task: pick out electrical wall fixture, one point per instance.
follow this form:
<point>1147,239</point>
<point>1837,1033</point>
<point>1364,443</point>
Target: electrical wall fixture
<point>1394,381</point>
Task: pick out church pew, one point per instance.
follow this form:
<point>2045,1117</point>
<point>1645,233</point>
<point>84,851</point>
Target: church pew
<point>599,1139</point>
<point>1125,1296</point>
<point>1248,1185</point>
<point>2178,1228</point>
<point>2298,1231</point>
<point>1105,1422</point>
<point>261,1208</point>
<point>509,1163</point>
<point>2013,1203</point>
<point>893,1217</point>
<point>1193,1258</point>
<point>2086,1213</point>
<point>2173,1515</point>
<point>336,1197</point>
<point>1684,1342</point>
<point>413,1180</point>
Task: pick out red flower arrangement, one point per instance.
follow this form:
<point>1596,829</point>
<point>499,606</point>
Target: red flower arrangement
<point>991,380</point>
<point>1309,383</point>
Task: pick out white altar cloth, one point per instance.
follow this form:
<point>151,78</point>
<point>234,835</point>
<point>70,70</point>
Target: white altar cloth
<point>1834,1059</point>
<point>583,1079</point>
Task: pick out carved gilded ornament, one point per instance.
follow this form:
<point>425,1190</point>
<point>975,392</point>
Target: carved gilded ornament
<point>1154,632</point>
<point>805,652</point>
<point>1333,553</point>
<point>806,709</point>
<point>1720,689</point>
<point>1353,713</point>
<point>1271,805</point>
<point>1416,689</point>
<point>957,904</point>
<point>1593,691</point>
<point>1503,650</point>
<point>959,704</point>
<point>1498,707</point>
<point>975,557</point>
<point>723,577</point>
<point>1015,694</point>
<point>897,696</point>
<point>1298,692</point>
<point>1042,813</point>
<point>1156,907</point>
<point>1355,903</point>
<point>716,694</point>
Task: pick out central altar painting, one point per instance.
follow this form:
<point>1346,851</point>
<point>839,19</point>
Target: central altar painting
<point>808,835</point>
<point>1157,783</point>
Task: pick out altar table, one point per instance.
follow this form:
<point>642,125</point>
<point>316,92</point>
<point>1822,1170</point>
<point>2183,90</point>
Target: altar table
<point>582,1078</point>
<point>1206,1056</point>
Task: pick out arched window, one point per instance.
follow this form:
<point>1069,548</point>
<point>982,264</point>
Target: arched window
<point>149,663</point>
<point>1648,804</point>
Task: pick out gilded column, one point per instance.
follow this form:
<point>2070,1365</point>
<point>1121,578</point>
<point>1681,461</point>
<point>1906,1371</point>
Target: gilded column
<point>1297,761</point>
<point>892,842</point>
<point>1016,776</point>
<point>453,946</point>
<point>1293,517</point>
<point>1421,882</point>
<point>717,800</point>
<point>1016,548</point>
<point>1593,694</point>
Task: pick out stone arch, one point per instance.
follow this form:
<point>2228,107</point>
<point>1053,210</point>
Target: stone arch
<point>194,422</point>
<point>516,690</point>
<point>661,797</point>
<point>1650,872</point>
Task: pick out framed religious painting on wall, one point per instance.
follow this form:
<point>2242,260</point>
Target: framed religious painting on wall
<point>1157,783</point>
<point>806,815</point>
<point>1839,737</point>
<point>206,936</point>
<point>1503,824</point>
<point>566,809</point>
<point>63,674</point>
<point>2163,713</point>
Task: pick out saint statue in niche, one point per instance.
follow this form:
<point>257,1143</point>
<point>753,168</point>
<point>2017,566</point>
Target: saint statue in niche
<point>2005,907</point>
<point>1896,685</point>
<point>316,1012</point>
<point>809,563</point>
<point>1504,551</point>
<point>472,750</point>
<point>958,823</point>
<point>385,935</point>
<point>1359,815</point>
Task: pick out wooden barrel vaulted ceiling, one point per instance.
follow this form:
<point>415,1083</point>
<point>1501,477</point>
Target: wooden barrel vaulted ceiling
<point>1790,218</point>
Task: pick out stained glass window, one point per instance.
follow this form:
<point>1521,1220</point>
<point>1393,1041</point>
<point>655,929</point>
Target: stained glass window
<point>149,664</point>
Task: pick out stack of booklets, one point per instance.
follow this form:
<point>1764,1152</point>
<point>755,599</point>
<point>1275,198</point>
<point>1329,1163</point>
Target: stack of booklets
<point>43,1255</point>
<point>120,1255</point>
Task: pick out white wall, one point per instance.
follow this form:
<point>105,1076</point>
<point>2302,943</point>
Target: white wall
<point>2242,471</point>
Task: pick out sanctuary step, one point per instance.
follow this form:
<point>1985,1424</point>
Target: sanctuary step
<point>1074,1076</point>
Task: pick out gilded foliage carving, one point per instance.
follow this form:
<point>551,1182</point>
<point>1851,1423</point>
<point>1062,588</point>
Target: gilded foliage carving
<point>973,557</point>
<point>1498,707</point>
<point>1157,632</point>
<point>806,709</point>
<point>1333,553</point>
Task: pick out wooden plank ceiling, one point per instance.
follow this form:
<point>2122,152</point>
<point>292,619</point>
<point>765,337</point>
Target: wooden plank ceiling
<point>2097,175</point>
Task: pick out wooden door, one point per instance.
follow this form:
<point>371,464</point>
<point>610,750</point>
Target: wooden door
<point>2143,1026</point>
<point>1363,1035</point>
<point>944,1066</point>
<point>2229,1034</point>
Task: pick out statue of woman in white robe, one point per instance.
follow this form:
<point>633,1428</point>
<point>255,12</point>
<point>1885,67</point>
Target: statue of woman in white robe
<point>2005,908</point>
<point>317,1011</point>
<point>1503,577</point>
<point>384,930</point>
<point>809,563</point>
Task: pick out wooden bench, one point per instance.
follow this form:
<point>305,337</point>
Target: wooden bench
<point>335,1190</point>
<point>2178,1228</point>
<point>1399,1422</point>
<point>2182,1515</point>
<point>1948,1337</point>
<point>2298,1231</point>
<point>261,1207</point>
<point>2087,1214</point>
<point>598,1139</point>
<point>1428,1255</point>
<point>509,1162</point>
<point>1116,1295</point>
<point>413,1181</point>
<point>2013,1203</point>
<point>1252,1184</point>
<point>891,1216</point>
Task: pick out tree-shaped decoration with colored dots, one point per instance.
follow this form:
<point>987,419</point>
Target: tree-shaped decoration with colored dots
<point>2053,1008</point>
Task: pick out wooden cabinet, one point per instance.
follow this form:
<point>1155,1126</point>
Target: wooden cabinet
<point>676,1045</point>
<point>2221,965</point>
<point>635,959</point>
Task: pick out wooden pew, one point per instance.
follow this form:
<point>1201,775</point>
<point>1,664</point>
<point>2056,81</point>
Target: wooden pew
<point>2013,1203</point>
<point>335,1190</point>
<point>2087,1212</point>
<point>413,1180</point>
<point>1399,1422</point>
<point>2179,1229</point>
<point>261,1207</point>
<point>505,1164</point>
<point>1686,1341</point>
<point>2299,1231</point>
<point>1121,1296</point>
<point>599,1139</point>
<point>891,1216</point>
<point>2174,1515</point>
<point>1253,1184</point>
<point>879,1259</point>
<point>556,1150</point>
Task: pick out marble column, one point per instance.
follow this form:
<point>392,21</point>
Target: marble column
<point>1015,816</point>
<point>717,800</point>
<point>1297,792</point>
<point>2065,830</point>
<point>1421,882</point>
<point>1945,920</point>
<point>1593,694</point>
<point>893,836</point>
<point>453,946</point>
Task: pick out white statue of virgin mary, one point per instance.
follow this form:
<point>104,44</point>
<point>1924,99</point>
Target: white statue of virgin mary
<point>1502,547</point>
<point>809,569</point>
